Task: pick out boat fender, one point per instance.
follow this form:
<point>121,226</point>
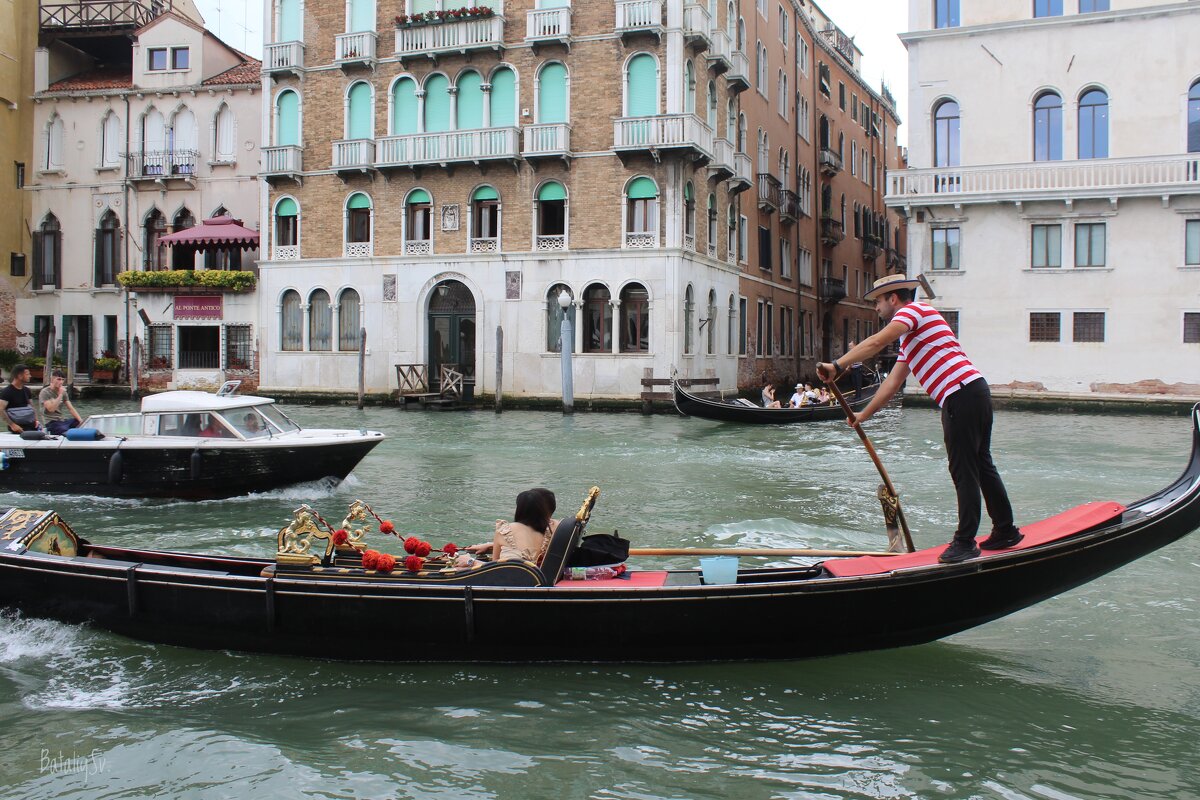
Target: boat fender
<point>116,467</point>
<point>83,435</point>
<point>197,460</point>
<point>33,435</point>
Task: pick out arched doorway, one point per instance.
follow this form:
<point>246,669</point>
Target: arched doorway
<point>452,332</point>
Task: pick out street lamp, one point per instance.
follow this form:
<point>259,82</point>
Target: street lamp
<point>565,345</point>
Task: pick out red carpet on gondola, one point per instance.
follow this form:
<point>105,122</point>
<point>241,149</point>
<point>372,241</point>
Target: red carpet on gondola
<point>637,579</point>
<point>1068,523</point>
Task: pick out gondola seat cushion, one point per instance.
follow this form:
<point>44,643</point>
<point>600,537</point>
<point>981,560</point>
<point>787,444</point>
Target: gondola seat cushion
<point>1068,523</point>
<point>563,543</point>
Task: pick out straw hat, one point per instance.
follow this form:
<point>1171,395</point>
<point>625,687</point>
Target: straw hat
<point>891,283</point>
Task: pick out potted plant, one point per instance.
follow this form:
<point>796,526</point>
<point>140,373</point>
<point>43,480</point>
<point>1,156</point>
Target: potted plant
<point>36,366</point>
<point>106,368</point>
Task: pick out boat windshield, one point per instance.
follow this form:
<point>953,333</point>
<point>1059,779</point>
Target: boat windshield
<point>115,424</point>
<point>277,418</point>
<point>247,421</point>
<point>194,424</point>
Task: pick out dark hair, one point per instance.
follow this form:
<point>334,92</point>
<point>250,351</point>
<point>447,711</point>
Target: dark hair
<point>17,370</point>
<point>905,295</point>
<point>534,508</point>
<point>58,373</point>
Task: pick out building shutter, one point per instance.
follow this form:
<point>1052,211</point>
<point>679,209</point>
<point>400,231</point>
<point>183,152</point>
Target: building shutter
<point>38,254</point>
<point>552,94</point>
<point>360,123</point>
<point>470,101</point>
<point>289,21</point>
<point>485,193</point>
<point>552,191</point>
<point>642,189</point>
<point>642,100</point>
<point>287,124</point>
<point>404,107</point>
<point>437,104</point>
<point>362,15</point>
<point>504,99</point>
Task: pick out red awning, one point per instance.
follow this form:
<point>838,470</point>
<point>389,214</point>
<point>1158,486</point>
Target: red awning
<point>218,233</point>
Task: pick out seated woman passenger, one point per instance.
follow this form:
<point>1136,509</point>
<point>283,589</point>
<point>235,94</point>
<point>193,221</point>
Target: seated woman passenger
<point>823,396</point>
<point>525,538</point>
<point>768,397</point>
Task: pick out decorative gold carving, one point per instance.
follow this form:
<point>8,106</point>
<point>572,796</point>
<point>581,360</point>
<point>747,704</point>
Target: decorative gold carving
<point>294,543</point>
<point>585,510</point>
<point>361,513</point>
<point>17,523</point>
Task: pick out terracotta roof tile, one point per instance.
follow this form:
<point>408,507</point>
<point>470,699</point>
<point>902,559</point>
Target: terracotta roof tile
<point>118,77</point>
<point>248,72</point>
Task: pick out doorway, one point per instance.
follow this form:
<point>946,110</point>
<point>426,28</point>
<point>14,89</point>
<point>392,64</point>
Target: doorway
<point>452,332</point>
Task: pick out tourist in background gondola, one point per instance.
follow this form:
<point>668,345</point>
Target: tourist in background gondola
<point>53,399</point>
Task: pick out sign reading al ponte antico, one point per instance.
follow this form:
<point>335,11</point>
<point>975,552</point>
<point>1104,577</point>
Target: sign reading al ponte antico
<point>203,306</point>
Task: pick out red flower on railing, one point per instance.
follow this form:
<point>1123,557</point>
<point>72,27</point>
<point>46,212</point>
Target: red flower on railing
<point>385,563</point>
<point>340,537</point>
<point>414,563</point>
<point>451,549</point>
<point>387,527</point>
<point>370,559</point>
<point>445,15</point>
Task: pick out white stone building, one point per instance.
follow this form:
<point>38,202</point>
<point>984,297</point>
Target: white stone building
<point>146,123</point>
<point>1053,193</point>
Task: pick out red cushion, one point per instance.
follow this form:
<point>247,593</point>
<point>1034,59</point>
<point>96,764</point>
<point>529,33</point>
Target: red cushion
<point>1081,518</point>
<point>638,579</point>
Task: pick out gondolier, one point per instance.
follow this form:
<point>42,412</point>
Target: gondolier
<point>930,351</point>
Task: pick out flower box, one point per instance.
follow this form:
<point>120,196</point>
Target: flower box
<point>447,15</point>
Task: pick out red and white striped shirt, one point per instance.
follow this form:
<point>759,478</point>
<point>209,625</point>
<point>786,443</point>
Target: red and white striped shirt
<point>932,352</point>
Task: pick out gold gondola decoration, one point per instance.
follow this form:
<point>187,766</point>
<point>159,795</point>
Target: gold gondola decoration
<point>295,542</point>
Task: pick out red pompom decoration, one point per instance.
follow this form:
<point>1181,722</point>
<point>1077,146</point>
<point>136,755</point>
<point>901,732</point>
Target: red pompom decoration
<point>410,544</point>
<point>414,563</point>
<point>386,562</point>
<point>387,527</point>
<point>423,549</point>
<point>340,537</point>
<point>370,559</point>
<point>450,549</point>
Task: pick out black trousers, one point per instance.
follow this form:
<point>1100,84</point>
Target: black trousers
<point>967,432</point>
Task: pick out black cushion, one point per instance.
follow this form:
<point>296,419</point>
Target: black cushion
<point>562,545</point>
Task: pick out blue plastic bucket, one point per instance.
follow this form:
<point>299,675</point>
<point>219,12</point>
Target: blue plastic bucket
<point>719,569</point>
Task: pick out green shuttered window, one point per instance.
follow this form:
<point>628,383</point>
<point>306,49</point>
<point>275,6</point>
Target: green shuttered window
<point>504,99</point>
<point>642,95</point>
<point>552,94</point>
<point>470,101</point>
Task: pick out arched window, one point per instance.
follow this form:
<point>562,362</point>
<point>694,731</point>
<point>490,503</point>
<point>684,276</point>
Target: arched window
<point>1193,119</point>
<point>289,22</point>
<point>731,122</point>
<point>552,94</point>
<point>437,103</point>
<point>597,319</point>
<point>551,217</point>
<point>418,222</point>
<point>404,107</point>
<point>320,321</point>
<point>689,216</point>
<point>291,323</point>
<point>470,101</point>
<point>1093,124</point>
<point>641,86</point>
<point>554,318</point>
<point>764,152</point>
<point>504,98</point>
<point>360,118</point>
<point>712,226</point>
<point>689,314</point>
<point>635,319</point>
<point>183,257</point>
<point>760,72</point>
<point>47,254</point>
<point>711,322</point>
<point>287,119</point>
<point>731,21</point>
<point>55,134</point>
<point>358,225</point>
<point>946,135</point>
<point>823,132</point>
<point>183,142</point>
<point>154,143</point>
<point>689,87</point>
<point>287,230</point>
<point>485,220</point>
<point>1047,127</point>
<point>360,16</point>
<point>108,249</point>
<point>741,134</point>
<point>110,141</point>
<point>712,109</point>
<point>349,320</point>
<point>741,35</point>
<point>732,327</point>
<point>641,222</point>
<point>154,228</point>
<point>224,135</point>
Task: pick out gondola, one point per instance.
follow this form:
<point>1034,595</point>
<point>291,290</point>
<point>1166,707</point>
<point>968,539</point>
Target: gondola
<point>320,598</point>
<point>744,411</point>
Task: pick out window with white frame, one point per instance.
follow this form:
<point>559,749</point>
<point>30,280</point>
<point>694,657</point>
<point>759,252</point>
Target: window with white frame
<point>946,248</point>
<point>761,72</point>
<point>1090,244</point>
<point>804,266</point>
<point>291,322</point>
<point>803,118</point>
<point>784,26</point>
<point>743,237</point>
<point>1045,326</point>
<point>320,321</point>
<point>55,134</point>
<point>802,53</point>
<point>782,91</point>
<point>1047,247</point>
<point>1192,246</point>
<point>224,136</point>
<point>785,258</point>
<point>110,141</point>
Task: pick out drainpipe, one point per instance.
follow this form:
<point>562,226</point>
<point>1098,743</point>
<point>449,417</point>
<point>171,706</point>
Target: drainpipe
<point>128,233</point>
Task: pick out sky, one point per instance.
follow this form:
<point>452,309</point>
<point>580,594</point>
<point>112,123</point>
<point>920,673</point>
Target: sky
<point>874,24</point>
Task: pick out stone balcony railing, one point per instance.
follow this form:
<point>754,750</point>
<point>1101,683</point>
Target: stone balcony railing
<point>832,233</point>
<point>283,57</point>
<point>697,26</point>
<point>641,241</point>
<point>663,132</point>
<point>722,162</point>
<point>1047,180</point>
<point>464,36</point>
<point>738,76</point>
<point>640,16</point>
<point>832,290</point>
<point>354,154</point>
<point>157,165</point>
<point>480,144</point>
<point>550,241</point>
<point>282,161</point>
<point>831,162</point>
<point>768,192</point>
<point>548,25</point>
<point>743,173</point>
<point>285,252</point>
<point>355,48</point>
<point>789,206</point>
<point>719,50</point>
<point>550,139</point>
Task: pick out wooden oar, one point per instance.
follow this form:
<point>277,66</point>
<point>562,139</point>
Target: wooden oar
<point>887,481</point>
<point>750,552</point>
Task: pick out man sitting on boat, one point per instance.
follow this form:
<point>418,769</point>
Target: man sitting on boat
<point>53,399</point>
<point>16,402</point>
<point>930,350</point>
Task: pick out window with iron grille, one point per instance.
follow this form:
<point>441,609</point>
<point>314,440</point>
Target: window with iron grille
<point>1191,327</point>
<point>239,345</point>
<point>951,318</point>
<point>160,340</point>
<point>1088,326</point>
<point>1045,326</point>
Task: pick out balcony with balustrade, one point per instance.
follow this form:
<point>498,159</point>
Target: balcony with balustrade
<point>832,233</point>
<point>768,192</point>
<point>283,161</point>
<point>354,155</point>
<point>285,252</point>
<point>831,162</point>
<point>461,37</point>
<point>738,76</point>
<point>283,58</point>
<point>548,26</point>
<point>743,173</point>
<point>448,147</point>
<point>97,17</point>
<point>872,247</point>
<point>636,17</point>
<point>697,27</point>
<point>896,260</point>
<point>722,163</point>
<point>550,140</point>
<point>1102,178</point>
<point>831,290</point>
<point>163,165</point>
<point>789,206</point>
<point>681,132</point>
<point>356,49</point>
<point>719,50</point>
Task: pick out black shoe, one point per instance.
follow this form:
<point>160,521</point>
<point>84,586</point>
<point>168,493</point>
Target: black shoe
<point>959,551</point>
<point>1002,540</point>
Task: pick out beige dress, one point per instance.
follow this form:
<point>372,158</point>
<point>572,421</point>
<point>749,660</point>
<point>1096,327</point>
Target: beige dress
<point>510,548</point>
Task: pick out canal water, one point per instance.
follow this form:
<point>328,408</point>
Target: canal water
<point>1094,694</point>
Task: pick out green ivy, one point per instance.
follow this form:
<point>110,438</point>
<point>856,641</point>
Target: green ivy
<point>234,281</point>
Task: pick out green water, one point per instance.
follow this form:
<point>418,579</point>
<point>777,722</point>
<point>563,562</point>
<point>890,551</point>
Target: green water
<point>1094,694</point>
